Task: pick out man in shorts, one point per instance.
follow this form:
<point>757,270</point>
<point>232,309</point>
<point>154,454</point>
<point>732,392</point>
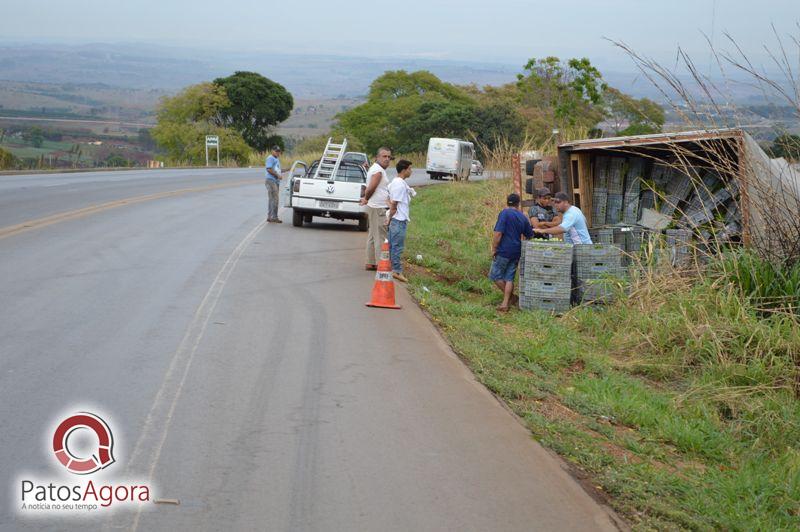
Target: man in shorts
<point>511,226</point>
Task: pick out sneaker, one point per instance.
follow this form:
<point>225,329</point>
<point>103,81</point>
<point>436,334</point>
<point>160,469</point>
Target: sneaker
<point>370,267</point>
<point>400,277</point>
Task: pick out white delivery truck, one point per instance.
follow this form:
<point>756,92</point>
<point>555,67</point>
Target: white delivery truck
<point>449,158</point>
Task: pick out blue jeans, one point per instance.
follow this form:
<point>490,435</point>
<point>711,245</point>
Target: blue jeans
<point>397,241</point>
<point>272,199</point>
<point>503,269</point>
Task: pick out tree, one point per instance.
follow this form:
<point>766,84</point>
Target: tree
<point>255,105</point>
<point>403,110</point>
<point>185,119</point>
<point>572,91</point>
<point>642,116</point>
<point>35,136</point>
<point>786,146</point>
<point>397,84</point>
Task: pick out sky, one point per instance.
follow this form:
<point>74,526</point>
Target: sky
<point>501,31</point>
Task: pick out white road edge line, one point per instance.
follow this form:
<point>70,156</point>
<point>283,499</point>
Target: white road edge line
<point>186,349</point>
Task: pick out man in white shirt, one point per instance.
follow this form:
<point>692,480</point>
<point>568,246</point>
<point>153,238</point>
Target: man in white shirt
<point>400,195</point>
<point>376,198</point>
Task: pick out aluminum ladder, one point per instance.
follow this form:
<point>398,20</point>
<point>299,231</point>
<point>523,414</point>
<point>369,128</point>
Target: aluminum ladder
<point>331,158</point>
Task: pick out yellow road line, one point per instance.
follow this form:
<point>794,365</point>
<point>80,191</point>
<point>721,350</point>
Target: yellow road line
<point>38,223</point>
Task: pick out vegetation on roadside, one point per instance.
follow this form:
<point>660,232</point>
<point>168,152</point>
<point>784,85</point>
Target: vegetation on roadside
<point>403,110</point>
<point>240,109</point>
<point>680,401</point>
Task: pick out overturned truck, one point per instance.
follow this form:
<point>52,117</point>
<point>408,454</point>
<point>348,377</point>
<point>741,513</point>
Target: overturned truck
<point>710,187</point>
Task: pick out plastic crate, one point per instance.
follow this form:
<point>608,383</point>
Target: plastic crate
<point>630,209</point>
<point>633,179</point>
<point>548,272</point>
<point>545,252</point>
<point>533,285</point>
<point>614,209</point>
<point>601,172</point>
<point>599,269</point>
<point>549,304</point>
<point>602,235</point>
<point>596,291</point>
<point>590,252</point>
<point>647,200</point>
<point>615,175</point>
<point>599,202</point>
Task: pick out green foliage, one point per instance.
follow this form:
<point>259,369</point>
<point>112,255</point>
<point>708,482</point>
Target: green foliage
<point>255,105</point>
<point>571,91</point>
<point>7,160</point>
<point>116,160</point>
<point>680,401</point>
<point>35,136</point>
<point>768,285</point>
<point>403,110</point>
<point>185,119</point>
<point>643,115</point>
<point>786,146</point>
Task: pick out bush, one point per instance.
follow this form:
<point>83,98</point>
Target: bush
<point>7,160</point>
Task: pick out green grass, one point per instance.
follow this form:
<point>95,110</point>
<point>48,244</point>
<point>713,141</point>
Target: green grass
<point>680,401</point>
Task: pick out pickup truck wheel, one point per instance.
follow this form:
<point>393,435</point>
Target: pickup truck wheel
<point>363,223</point>
<point>297,218</point>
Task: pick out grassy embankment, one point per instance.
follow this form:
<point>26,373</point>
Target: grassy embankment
<point>680,401</point>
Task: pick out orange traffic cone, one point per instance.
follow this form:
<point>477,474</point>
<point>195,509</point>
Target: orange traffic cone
<point>383,291</point>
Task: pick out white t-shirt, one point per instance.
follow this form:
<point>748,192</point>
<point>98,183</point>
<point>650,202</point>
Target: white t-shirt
<point>380,197</point>
<point>400,192</point>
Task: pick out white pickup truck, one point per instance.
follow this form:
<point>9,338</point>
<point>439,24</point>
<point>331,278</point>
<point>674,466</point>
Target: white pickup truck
<point>328,198</point>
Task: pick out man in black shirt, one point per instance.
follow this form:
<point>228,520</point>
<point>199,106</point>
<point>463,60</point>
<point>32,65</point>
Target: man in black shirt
<point>541,214</point>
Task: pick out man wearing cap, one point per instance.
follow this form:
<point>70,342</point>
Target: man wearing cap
<point>573,227</point>
<point>273,184</point>
<point>509,229</point>
<point>573,222</point>
<point>541,213</point>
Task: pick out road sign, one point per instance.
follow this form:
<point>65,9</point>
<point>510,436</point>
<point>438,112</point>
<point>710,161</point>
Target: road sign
<point>212,141</point>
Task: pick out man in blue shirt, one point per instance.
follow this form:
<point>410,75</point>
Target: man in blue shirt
<point>509,229</point>
<point>273,184</point>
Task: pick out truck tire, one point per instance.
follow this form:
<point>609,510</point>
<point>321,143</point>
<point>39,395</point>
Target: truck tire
<point>530,166</point>
<point>363,223</point>
<point>297,218</point>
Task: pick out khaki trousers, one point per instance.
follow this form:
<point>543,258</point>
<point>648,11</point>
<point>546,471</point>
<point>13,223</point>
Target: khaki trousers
<point>378,232</point>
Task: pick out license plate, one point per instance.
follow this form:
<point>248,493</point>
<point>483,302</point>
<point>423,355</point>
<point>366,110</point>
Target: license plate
<point>328,204</point>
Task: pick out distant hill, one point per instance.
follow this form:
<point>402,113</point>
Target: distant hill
<point>163,68</point>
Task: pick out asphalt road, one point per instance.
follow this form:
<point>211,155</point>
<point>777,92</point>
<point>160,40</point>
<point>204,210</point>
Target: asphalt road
<point>240,371</point>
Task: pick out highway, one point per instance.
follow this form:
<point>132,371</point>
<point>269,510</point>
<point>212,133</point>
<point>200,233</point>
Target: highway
<point>240,372</point>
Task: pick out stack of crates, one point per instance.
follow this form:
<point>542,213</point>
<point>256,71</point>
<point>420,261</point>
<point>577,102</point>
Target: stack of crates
<point>633,185</point>
<point>599,203</point>
<point>600,189</point>
<point>545,276</point>
<point>595,264</point>
<point>615,189</point>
